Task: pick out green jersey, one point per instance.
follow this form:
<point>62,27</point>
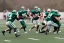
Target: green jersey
<point>22,14</point>
<point>46,13</point>
<point>56,15</point>
<point>35,13</point>
<point>56,21</point>
<point>11,17</point>
<point>49,17</point>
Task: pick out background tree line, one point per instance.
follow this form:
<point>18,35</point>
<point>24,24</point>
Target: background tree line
<point>43,4</point>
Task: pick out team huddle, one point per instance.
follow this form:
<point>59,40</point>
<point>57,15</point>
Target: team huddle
<point>51,18</point>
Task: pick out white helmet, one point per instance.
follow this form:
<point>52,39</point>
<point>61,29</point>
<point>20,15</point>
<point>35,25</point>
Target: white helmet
<point>56,10</point>
<point>36,7</point>
<point>13,10</point>
<point>48,9</point>
<point>53,9</point>
<point>23,7</point>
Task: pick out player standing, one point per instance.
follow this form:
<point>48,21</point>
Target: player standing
<point>22,15</point>
<point>36,15</point>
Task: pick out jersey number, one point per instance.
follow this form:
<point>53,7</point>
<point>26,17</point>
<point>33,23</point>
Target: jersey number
<point>9,16</point>
<point>49,16</point>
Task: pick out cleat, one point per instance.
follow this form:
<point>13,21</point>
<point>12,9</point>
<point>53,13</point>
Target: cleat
<point>50,31</point>
<point>58,31</point>
<point>3,32</point>
<point>37,32</point>
<point>42,32</point>
<point>17,35</point>
<point>25,32</point>
<point>55,32</point>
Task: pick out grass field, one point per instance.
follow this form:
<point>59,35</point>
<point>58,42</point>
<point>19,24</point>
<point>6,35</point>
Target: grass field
<point>30,37</point>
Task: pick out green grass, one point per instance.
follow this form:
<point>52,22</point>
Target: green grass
<point>24,37</point>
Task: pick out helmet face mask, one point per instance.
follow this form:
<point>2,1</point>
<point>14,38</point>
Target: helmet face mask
<point>22,9</point>
<point>36,8</point>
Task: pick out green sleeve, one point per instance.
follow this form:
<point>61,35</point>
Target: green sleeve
<point>46,13</point>
<point>26,11</point>
<point>57,15</point>
<point>32,11</point>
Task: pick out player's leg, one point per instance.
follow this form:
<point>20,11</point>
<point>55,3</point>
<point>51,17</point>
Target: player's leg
<point>44,25</point>
<point>9,28</point>
<point>58,28</point>
<point>41,30</point>
<point>37,27</point>
<point>15,29</point>
<point>23,25</point>
<point>34,25</point>
<point>55,25</point>
<point>48,27</point>
<point>3,32</point>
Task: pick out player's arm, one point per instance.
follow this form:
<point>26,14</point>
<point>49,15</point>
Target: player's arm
<point>57,18</point>
<point>17,17</point>
<point>31,14</point>
<point>42,16</point>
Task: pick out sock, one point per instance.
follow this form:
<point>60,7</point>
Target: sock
<point>18,30</point>
<point>15,30</point>
<point>55,29</point>
<point>37,28</point>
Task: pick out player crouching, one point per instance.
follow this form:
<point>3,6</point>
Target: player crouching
<point>11,17</point>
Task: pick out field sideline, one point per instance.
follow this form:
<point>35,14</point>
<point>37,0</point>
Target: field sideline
<point>31,37</point>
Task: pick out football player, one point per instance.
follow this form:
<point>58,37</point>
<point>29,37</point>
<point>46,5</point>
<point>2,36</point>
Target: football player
<point>50,20</point>
<point>36,15</point>
<point>11,18</point>
<point>44,22</point>
<point>22,15</point>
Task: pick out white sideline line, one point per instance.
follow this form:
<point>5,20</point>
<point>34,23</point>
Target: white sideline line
<point>33,39</point>
<point>59,38</point>
<point>56,37</point>
<point>7,40</point>
<point>30,38</point>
